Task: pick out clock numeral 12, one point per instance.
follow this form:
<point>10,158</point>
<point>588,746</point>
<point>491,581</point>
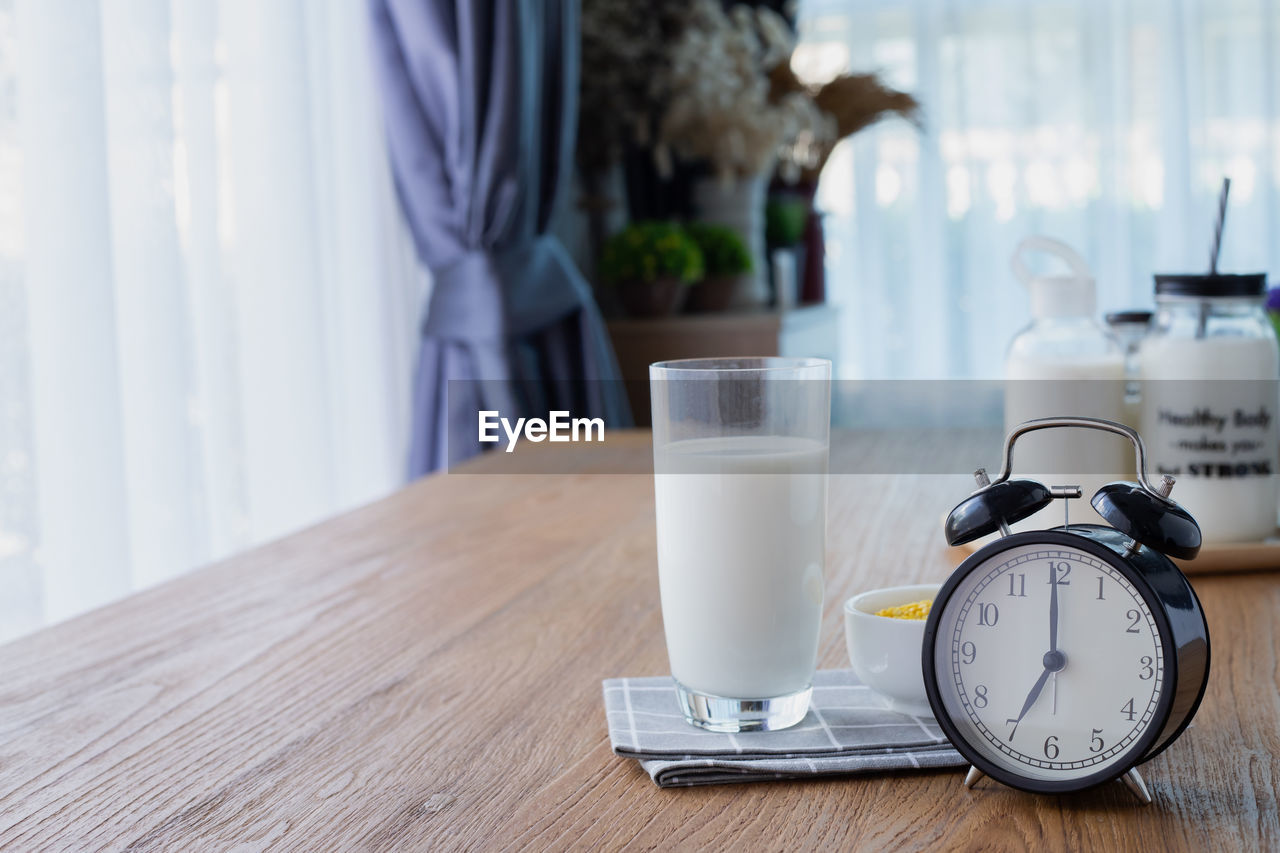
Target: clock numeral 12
<point>1063,570</point>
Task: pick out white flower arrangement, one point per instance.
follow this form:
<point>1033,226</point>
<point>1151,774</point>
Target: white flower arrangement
<point>721,106</point>
<point>624,44</point>
<point>688,79</point>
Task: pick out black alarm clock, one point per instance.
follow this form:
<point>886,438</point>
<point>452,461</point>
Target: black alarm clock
<point>1057,660</point>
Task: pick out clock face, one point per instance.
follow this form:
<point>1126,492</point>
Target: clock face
<point>1050,664</point>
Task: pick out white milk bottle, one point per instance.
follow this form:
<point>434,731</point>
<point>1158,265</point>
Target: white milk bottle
<point>1065,364</point>
<point>1209,370</point>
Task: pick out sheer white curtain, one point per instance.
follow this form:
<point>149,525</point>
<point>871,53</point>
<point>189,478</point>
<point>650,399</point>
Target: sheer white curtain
<point>1107,123</point>
<point>207,299</point>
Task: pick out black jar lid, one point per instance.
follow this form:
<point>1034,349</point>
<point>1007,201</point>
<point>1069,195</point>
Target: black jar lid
<point>1121,318</point>
<point>1204,285</point>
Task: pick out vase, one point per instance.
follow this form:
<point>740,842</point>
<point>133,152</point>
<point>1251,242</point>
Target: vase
<point>813,275</point>
<point>739,205</point>
<point>659,298</point>
<point>712,294</point>
<point>785,266</point>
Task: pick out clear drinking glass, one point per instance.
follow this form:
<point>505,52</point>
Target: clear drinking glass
<point>740,487</point>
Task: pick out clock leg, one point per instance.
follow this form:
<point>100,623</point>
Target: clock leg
<point>1133,781</point>
<point>971,778</point>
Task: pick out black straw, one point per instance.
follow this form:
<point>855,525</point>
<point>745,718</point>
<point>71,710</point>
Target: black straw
<point>1218,226</point>
<point>1213,255</point>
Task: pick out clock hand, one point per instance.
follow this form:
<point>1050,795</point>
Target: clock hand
<point>1053,608</point>
<point>1031,699</point>
<point>1054,662</point>
<point>1053,635</point>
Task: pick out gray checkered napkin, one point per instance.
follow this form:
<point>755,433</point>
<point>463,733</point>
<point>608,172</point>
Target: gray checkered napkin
<point>849,729</point>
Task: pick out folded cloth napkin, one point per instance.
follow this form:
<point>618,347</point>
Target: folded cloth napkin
<point>849,729</point>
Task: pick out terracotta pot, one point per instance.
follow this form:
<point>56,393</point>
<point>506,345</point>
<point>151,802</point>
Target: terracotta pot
<point>712,294</point>
<point>659,298</point>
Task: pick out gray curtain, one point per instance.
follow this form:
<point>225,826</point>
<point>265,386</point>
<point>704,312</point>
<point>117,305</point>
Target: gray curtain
<point>480,103</point>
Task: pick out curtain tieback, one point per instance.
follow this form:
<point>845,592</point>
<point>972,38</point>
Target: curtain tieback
<point>496,294</point>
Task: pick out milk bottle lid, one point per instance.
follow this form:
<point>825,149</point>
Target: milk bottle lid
<point>1128,318</point>
<point>1069,295</point>
<point>1208,285</point>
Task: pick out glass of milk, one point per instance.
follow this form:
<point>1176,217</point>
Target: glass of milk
<point>740,490</point>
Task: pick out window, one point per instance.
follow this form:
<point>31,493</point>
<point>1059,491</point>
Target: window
<point>207,302</point>
<point>1107,125</point>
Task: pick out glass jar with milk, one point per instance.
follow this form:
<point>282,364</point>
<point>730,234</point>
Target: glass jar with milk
<point>740,494</point>
<point>1210,368</point>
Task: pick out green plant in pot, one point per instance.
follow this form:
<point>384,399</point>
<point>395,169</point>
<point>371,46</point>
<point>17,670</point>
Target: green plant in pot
<point>652,265</point>
<point>785,215</point>
<point>725,261</point>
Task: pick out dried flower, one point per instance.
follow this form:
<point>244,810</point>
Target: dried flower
<point>853,101</point>
<point>624,45</point>
<point>689,78</point>
<point>721,106</point>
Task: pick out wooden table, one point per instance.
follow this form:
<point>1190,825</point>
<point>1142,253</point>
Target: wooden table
<point>425,673</point>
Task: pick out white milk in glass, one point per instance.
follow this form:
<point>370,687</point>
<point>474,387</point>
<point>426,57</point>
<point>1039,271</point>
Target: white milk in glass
<point>741,550</point>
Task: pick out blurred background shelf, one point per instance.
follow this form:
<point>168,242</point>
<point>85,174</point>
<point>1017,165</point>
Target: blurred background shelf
<point>808,330</point>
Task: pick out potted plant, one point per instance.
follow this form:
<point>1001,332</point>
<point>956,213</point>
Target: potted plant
<point>721,111</point>
<point>693,106</point>
<point>786,215</point>
<point>725,260</point>
<point>651,264</point>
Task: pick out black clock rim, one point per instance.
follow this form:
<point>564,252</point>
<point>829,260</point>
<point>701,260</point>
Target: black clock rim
<point>1204,686</point>
<point>1137,753</point>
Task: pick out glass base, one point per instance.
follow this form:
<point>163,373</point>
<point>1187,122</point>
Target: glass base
<point>722,714</point>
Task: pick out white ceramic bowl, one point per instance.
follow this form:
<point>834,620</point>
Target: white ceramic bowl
<point>885,652</point>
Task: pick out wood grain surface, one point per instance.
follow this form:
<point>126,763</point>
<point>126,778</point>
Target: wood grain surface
<point>424,673</point>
